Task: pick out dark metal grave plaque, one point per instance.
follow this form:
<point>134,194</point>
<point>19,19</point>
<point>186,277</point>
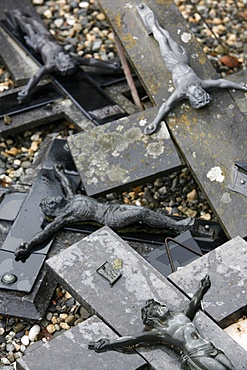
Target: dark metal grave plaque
<point>18,275</point>
<point>30,218</point>
<point>59,154</point>
<point>109,272</point>
<point>44,94</point>
<point>10,205</point>
<point>239,181</point>
<point>159,258</point>
<point>90,97</point>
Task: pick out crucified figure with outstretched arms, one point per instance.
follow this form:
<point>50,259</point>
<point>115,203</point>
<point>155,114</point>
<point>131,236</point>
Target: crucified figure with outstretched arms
<point>73,208</point>
<point>188,85</point>
<point>53,55</point>
<point>176,329</point>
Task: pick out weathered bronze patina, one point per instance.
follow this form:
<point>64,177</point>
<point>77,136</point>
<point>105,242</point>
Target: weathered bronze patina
<point>75,208</point>
<point>188,85</point>
<point>54,57</point>
<point>177,329</point>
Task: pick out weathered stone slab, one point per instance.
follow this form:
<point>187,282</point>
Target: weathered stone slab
<point>118,154</point>
<point>31,305</point>
<point>207,138</point>
<point>238,96</point>
<point>226,266</point>
<point>120,305</point>
<point>70,351</point>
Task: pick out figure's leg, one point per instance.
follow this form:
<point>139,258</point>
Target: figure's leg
<point>64,181</point>
<point>208,363</point>
<point>118,216</point>
<point>22,21</point>
<point>224,360</point>
<point>168,47</point>
<point>39,27</point>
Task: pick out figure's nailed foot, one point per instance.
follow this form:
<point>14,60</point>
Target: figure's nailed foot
<point>22,95</point>
<point>184,225</point>
<point>147,17</point>
<point>21,251</point>
<point>59,170</point>
<point>244,86</point>
<point>205,283</point>
<point>150,129</point>
<point>100,345</point>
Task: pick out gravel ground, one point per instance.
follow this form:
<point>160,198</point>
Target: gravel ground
<point>220,27</point>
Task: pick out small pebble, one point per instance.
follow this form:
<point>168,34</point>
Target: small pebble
<point>26,164</point>
<point>64,325</point>
<point>51,328</point>
<point>33,332</point>
<point>25,340</point>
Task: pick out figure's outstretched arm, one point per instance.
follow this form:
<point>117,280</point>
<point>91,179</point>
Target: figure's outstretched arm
<point>33,82</point>
<point>64,181</point>
<point>195,302</point>
<point>26,247</point>
<point>105,344</point>
<point>224,84</point>
<point>163,111</point>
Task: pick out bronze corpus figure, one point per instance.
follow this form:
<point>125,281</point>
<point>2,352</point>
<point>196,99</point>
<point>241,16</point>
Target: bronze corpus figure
<point>74,208</point>
<point>188,85</point>
<point>54,57</point>
<point>177,329</point>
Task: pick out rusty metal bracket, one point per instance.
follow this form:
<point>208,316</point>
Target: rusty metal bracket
<point>239,177</point>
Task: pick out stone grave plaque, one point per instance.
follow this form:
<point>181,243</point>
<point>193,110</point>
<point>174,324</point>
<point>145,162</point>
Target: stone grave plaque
<point>119,155</point>
<point>69,351</point>
<point>227,267</point>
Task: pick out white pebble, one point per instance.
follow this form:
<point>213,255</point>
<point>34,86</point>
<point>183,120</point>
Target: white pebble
<point>5,361</point>
<point>84,4</point>
<point>22,348</point>
<point>25,340</point>
<point>34,331</point>
<point>49,316</point>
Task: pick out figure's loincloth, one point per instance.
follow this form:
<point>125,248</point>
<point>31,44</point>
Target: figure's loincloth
<point>171,58</point>
<point>205,350</point>
<point>40,40</point>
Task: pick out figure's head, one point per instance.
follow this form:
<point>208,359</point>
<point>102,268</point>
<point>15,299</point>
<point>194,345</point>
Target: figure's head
<point>52,206</point>
<point>197,96</point>
<point>65,64</point>
<point>154,314</point>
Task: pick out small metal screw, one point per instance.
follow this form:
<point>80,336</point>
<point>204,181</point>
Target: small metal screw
<point>207,227</point>
<point>141,6</point>
<point>242,182</point>
<point>9,278</point>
